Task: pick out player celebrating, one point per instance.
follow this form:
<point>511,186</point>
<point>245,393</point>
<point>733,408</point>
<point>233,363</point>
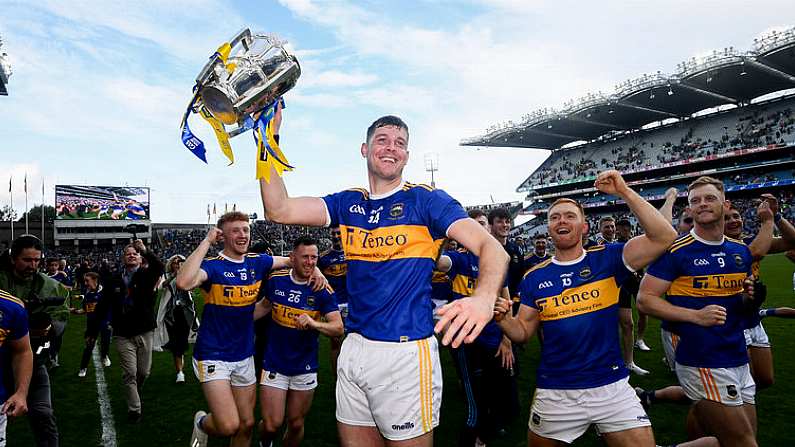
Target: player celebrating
<point>705,275</point>
<point>290,364</point>
<point>573,298</point>
<point>391,236</point>
<point>223,355</point>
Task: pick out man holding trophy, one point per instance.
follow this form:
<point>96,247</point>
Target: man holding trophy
<point>389,386</point>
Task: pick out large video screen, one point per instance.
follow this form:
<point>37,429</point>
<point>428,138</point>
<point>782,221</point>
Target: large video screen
<point>101,202</point>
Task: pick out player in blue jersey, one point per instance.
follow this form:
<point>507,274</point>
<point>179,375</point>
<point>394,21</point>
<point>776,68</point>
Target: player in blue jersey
<point>573,299</point>
<point>289,368</point>
<point>389,376</point>
<point>706,276</point>
<point>223,354</point>
<point>95,322</point>
<point>539,254</point>
<point>15,353</point>
<point>335,269</point>
<point>484,367</point>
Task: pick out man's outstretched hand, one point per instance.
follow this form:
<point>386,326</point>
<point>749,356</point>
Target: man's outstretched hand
<point>463,319</point>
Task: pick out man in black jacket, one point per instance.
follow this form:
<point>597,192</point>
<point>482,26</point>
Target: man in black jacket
<point>131,296</point>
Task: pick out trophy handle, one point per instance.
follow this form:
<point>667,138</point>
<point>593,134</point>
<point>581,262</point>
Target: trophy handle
<point>242,37</point>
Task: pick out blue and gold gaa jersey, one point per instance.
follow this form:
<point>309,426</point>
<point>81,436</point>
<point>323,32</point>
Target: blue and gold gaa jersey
<point>390,243</point>
<point>577,303</point>
<point>464,274</point>
<point>13,326</point>
<point>703,273</point>
<point>335,269</point>
<point>227,329</point>
<point>289,350</point>
<point>441,288</point>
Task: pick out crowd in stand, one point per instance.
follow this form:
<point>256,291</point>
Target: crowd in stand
<point>760,127</point>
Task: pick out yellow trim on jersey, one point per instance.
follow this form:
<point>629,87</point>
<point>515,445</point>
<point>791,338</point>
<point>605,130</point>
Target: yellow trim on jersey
<point>336,270</point>
<point>681,243</point>
<point>725,284</point>
<point>385,243</point>
<point>286,315</point>
<point>361,191</point>
<point>538,266</point>
<point>7,296</point>
<point>595,248</point>
<point>464,285</point>
<point>741,242</point>
<point>426,389</point>
<point>439,277</point>
<point>282,272</point>
<point>409,186</point>
<point>233,295</point>
<point>579,300</point>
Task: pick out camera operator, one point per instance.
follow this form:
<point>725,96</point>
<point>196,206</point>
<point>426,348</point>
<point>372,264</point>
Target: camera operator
<point>20,277</point>
<point>14,343</point>
<point>131,297</point>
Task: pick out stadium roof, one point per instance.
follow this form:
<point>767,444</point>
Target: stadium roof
<point>724,77</point>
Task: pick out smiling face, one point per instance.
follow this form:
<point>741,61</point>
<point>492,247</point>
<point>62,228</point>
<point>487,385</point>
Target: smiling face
<point>733,226</point>
<point>566,225</point>
<point>304,259</point>
<point>608,229</point>
<point>387,152</point>
<point>132,259</point>
<point>236,235</point>
<point>706,204</point>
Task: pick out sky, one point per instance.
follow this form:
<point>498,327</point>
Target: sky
<point>99,87</point>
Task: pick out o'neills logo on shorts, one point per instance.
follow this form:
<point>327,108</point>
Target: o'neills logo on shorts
<point>403,426</point>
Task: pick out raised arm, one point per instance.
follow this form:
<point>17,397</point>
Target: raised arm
<point>667,208</point>
<point>280,207</point>
<point>650,301</point>
<point>787,239</point>
<point>641,250</point>
<point>191,275</point>
<point>467,316</point>
<point>762,243</point>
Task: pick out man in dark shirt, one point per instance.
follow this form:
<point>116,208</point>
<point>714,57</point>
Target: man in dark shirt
<point>131,297</point>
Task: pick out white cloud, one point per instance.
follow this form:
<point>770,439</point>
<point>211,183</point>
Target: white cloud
<point>336,78</point>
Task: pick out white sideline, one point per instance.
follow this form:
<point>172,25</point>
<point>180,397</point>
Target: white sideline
<point>105,412</point>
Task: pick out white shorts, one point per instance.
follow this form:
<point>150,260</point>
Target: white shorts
<point>300,382</point>
<point>396,387</point>
<point>565,415</point>
<point>3,424</point>
<point>669,343</point>
<point>728,386</point>
<point>237,373</point>
<point>757,337</point>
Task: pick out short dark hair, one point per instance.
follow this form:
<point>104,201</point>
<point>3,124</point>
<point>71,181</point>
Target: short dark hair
<point>23,242</point>
<point>92,275</point>
<point>51,260</point>
<point>474,214</point>
<point>540,236</point>
<point>388,120</point>
<point>304,240</point>
<point>623,223</point>
<point>498,213</point>
<point>260,247</point>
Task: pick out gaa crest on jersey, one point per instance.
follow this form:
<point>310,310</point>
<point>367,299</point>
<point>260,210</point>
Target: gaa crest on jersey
<point>535,419</point>
<point>731,391</point>
<point>738,260</point>
<point>310,301</point>
<point>585,273</point>
<point>396,211</point>
<point>210,370</point>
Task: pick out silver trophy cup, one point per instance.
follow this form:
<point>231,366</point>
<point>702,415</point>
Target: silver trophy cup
<point>257,72</point>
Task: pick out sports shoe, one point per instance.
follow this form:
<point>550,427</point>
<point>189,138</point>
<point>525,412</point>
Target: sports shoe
<point>199,437</point>
<point>106,361</point>
<point>635,369</point>
<point>641,345</point>
<point>82,372</point>
<point>645,397</point>
<point>180,377</point>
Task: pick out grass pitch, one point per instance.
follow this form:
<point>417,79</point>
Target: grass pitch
<point>168,408</point>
